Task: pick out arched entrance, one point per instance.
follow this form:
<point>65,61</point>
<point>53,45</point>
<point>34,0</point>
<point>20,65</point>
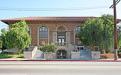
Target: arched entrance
<point>61,54</point>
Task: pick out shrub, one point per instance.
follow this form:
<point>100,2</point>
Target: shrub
<point>119,51</point>
<point>48,48</point>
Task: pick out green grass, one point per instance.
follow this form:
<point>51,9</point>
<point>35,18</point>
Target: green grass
<point>18,56</point>
<point>3,56</point>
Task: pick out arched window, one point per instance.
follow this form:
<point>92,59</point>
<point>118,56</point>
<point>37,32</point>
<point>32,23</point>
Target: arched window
<point>77,29</point>
<point>43,32</point>
<point>61,29</point>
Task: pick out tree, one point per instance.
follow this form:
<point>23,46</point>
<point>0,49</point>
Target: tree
<point>97,32</point>
<point>90,32</point>
<point>3,39</point>
<point>119,38</point>
<point>107,32</point>
<point>17,36</point>
<point>0,44</point>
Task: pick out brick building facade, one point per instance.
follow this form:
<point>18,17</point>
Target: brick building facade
<point>58,30</point>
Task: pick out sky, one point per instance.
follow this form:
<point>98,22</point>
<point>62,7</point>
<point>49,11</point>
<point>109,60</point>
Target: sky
<point>26,8</point>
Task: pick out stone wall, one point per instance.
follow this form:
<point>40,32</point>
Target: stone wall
<point>75,55</point>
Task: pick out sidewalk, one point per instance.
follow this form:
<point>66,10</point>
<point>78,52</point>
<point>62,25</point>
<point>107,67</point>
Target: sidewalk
<point>59,68</point>
<point>22,59</point>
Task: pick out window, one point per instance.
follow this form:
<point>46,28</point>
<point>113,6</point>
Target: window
<point>43,32</point>
<point>77,30</point>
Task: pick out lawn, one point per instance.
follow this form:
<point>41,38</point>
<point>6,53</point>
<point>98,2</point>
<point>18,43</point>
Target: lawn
<point>2,56</point>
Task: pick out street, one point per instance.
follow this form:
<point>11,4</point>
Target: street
<point>59,68</point>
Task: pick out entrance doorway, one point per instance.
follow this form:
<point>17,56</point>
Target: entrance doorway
<point>61,54</point>
<point>61,36</point>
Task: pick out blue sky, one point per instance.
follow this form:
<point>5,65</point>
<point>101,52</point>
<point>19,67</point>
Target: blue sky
<point>51,8</point>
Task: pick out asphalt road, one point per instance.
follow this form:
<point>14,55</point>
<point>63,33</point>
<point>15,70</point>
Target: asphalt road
<point>59,68</point>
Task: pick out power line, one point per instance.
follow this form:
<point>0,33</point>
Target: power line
<point>50,9</point>
<point>112,6</point>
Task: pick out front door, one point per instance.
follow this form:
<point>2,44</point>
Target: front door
<point>61,54</point>
<point>61,38</point>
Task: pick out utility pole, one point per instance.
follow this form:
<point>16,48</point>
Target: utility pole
<point>115,2</point>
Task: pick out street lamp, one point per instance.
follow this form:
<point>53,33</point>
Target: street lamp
<point>115,2</point>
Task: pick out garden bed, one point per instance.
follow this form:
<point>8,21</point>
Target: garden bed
<point>107,56</point>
